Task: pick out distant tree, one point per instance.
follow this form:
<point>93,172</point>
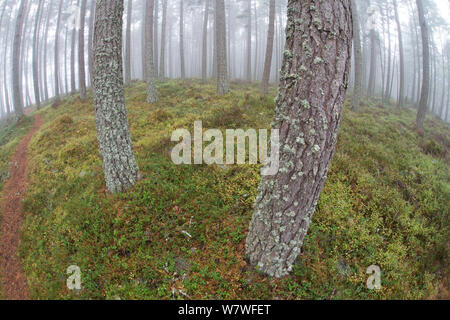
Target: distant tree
<point>401,98</point>
<point>155,37</point>
<point>357,92</point>
<point>221,50</point>
<point>91,40</point>
<point>313,82</point>
<point>249,41</point>
<point>152,93</point>
<point>17,85</point>
<point>72,56</point>
<point>37,21</point>
<point>119,164</point>
<point>205,42</point>
<point>57,37</point>
<point>423,103</point>
<point>128,43</point>
<point>269,49</point>
<point>182,63</point>
<point>162,62</point>
<point>81,63</point>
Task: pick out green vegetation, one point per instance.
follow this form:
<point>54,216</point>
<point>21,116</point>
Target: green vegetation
<point>11,132</point>
<point>386,202</point>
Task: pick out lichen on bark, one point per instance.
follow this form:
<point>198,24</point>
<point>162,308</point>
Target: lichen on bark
<point>314,79</point>
<point>119,164</point>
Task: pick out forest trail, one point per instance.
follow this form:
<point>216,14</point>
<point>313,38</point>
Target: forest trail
<point>13,283</point>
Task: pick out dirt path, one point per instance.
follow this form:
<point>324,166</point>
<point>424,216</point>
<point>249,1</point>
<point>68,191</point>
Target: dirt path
<point>13,283</point>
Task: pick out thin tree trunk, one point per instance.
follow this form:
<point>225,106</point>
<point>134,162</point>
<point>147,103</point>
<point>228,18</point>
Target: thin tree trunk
<point>183,71</point>
<point>249,41</point>
<point>222,69</point>
<point>357,93</point>
<point>81,61</point>
<point>269,49</point>
<point>152,93</point>
<point>17,85</point>
<point>36,55</point>
<point>5,64</point>
<point>308,121</point>
<point>72,57</point>
<point>373,64</point>
<point>255,63</point>
<point>162,62</point>
<point>2,112</point>
<point>155,37</point>
<point>128,44</point>
<point>205,43</point>
<point>119,164</point>
<point>402,59</point>
<point>58,26</point>
<point>426,68</point>
<point>90,41</point>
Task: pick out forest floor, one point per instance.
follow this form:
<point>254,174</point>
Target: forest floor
<point>180,232</point>
<point>13,281</point>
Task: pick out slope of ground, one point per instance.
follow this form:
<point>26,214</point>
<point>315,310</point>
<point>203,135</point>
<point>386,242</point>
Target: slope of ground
<point>14,283</point>
<point>180,233</point>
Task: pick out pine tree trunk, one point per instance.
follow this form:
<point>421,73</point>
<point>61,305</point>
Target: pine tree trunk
<point>402,59</point>
<point>58,27</point>
<point>36,56</point>
<point>155,38</point>
<point>162,62</point>
<point>426,67</point>
<point>255,62</point>
<point>249,41</point>
<point>81,61</point>
<point>90,41</point>
<point>357,92</point>
<point>152,93</point>
<point>5,64</point>
<point>269,49</point>
<point>2,113</point>
<point>119,164</point>
<point>183,71</point>
<point>45,44</point>
<point>128,44</point>
<point>314,79</point>
<point>205,43</point>
<point>221,50</point>
<point>17,85</point>
<point>373,64</point>
<point>72,57</point>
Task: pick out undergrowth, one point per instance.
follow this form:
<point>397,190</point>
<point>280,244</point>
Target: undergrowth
<point>180,232</point>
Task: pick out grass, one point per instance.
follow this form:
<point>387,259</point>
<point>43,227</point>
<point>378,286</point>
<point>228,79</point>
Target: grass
<point>386,202</point>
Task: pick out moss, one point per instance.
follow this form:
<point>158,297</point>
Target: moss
<point>385,203</point>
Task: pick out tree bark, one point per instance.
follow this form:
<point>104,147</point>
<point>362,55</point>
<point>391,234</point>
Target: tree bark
<point>155,37</point>
<point>119,164</point>
<point>249,41</point>
<point>402,59</point>
<point>357,92</point>
<point>152,93</point>
<point>221,50</point>
<point>81,61</point>
<point>269,49</point>
<point>58,26</point>
<point>205,43</point>
<point>423,106</point>
<point>128,44</point>
<point>90,41</point>
<point>37,24</point>
<point>183,68</point>
<point>17,85</point>
<point>72,57</point>
<point>162,62</point>
<point>313,82</point>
